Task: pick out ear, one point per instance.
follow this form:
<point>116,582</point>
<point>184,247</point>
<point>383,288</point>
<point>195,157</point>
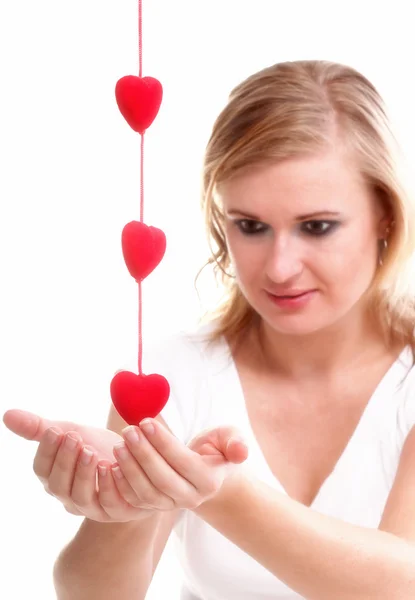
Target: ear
<point>385,221</point>
<point>384,227</point>
<point>383,214</point>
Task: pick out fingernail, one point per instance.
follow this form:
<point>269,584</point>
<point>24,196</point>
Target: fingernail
<point>117,472</point>
<point>131,434</point>
<point>102,470</point>
<point>147,426</point>
<point>70,442</point>
<point>121,450</point>
<point>86,456</point>
<point>52,435</point>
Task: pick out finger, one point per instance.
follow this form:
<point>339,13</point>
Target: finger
<point>109,498</point>
<point>124,488</point>
<point>147,492</point>
<point>173,468</point>
<point>236,451</point>
<point>126,491</point>
<point>230,442</point>
<point>71,509</point>
<point>46,453</point>
<point>184,461</point>
<point>63,469</point>
<point>84,494</point>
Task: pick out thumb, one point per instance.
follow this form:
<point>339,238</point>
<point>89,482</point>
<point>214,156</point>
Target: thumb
<point>232,445</point>
<point>26,424</point>
<point>236,450</point>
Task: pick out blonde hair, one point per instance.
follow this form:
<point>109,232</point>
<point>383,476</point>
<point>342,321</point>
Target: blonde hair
<point>296,108</point>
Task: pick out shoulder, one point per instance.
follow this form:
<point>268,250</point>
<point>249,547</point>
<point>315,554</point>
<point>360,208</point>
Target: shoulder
<point>406,393</point>
<point>398,516</point>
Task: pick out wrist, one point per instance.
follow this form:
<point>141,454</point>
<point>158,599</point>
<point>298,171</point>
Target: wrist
<point>229,490</point>
<point>147,516</point>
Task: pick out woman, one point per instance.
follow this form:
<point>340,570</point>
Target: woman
<point>309,359</point>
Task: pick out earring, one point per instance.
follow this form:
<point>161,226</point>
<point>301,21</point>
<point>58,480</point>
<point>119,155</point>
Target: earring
<point>383,247</point>
<point>383,243</point>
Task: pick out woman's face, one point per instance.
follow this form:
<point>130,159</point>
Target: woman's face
<point>303,237</point>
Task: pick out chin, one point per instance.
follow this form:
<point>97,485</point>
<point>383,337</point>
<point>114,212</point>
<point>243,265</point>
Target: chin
<point>300,327</point>
<point>309,322</point>
<point>304,322</point>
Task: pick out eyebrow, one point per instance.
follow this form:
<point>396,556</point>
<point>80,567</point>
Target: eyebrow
<point>312,215</point>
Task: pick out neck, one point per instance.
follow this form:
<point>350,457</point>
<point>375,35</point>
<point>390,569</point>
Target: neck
<point>350,342</point>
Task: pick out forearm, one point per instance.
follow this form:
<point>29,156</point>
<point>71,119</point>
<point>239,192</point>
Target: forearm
<point>107,561</point>
<point>319,557</point>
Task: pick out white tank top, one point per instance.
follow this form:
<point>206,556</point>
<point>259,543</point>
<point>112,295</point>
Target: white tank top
<point>206,392</point>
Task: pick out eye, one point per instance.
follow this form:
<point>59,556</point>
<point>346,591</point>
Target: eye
<point>249,227</point>
<point>319,228</point>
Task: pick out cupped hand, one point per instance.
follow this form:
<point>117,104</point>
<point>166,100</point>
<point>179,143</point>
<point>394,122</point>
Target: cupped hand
<point>161,474</point>
<point>66,463</point>
<point>157,471</point>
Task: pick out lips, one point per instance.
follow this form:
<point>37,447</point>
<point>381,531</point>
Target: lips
<point>290,295</point>
<point>293,301</point>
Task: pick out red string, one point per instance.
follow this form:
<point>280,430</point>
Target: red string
<point>140,37</point>
<point>140,331</point>
<point>140,296</point>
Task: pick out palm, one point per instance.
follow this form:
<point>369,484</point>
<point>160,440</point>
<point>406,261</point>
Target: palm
<point>102,440</point>
<point>32,427</point>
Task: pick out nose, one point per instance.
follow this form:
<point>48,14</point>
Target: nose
<point>284,262</point>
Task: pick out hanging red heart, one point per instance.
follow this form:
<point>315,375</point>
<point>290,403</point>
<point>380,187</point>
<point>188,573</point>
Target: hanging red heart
<point>139,100</point>
<point>143,248</point>
<point>138,396</point>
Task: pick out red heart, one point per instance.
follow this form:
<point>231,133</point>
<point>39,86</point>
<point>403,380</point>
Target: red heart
<point>139,100</point>
<point>138,396</point>
<point>143,248</point>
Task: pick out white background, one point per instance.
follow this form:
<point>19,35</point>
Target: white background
<point>69,182</point>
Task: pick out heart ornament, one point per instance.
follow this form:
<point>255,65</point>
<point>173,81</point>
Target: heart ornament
<point>136,397</point>
<point>139,100</point>
<point>143,248</point>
